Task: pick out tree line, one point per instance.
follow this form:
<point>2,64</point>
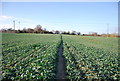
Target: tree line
<point>39,30</point>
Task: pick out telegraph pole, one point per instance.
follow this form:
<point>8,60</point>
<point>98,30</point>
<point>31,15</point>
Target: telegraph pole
<point>19,25</point>
<point>14,24</point>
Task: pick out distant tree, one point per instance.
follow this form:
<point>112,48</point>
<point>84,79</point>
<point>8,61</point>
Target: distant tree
<point>63,32</point>
<point>3,30</point>
<point>30,30</point>
<point>93,33</point>
<point>57,32</point>
<point>10,29</point>
<point>38,29</point>
<point>68,32</point>
<point>78,33</point>
<point>44,31</point>
<point>50,32</point>
<point>53,31</point>
<point>24,30</point>
<point>73,32</point>
<point>19,31</point>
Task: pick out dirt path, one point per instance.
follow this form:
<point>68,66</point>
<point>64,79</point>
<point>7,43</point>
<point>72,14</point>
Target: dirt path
<point>61,64</point>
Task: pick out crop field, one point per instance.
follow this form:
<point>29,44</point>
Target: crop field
<point>28,56</point>
<point>35,57</point>
<point>91,58</point>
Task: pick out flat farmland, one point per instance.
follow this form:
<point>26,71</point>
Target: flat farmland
<point>29,56</point>
<point>91,58</point>
<point>35,57</point>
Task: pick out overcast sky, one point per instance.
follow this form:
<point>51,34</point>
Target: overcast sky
<point>83,17</point>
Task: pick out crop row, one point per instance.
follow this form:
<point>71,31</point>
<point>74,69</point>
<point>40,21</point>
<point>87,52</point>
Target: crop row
<point>38,65</point>
<point>89,63</point>
<point>17,53</point>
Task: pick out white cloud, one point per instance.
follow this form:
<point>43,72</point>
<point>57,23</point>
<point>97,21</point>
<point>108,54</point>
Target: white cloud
<point>10,18</point>
<point>5,18</point>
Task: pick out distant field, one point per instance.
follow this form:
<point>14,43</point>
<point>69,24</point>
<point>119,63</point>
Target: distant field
<point>34,56</point>
<point>105,43</point>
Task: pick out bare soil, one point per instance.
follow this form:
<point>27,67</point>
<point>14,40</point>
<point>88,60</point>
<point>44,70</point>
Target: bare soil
<point>61,65</point>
